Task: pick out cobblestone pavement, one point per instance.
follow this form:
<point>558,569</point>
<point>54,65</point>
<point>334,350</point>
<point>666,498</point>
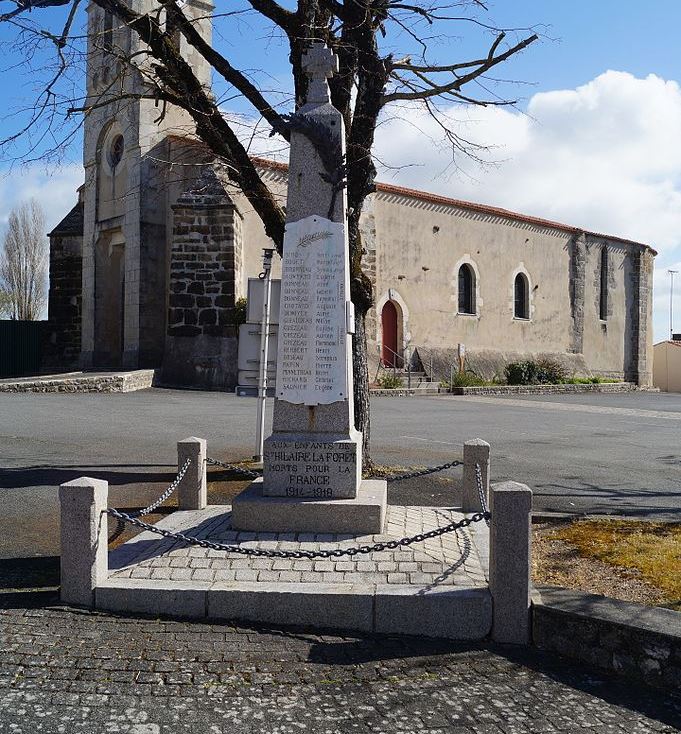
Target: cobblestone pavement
<point>450,559</point>
<point>79,672</point>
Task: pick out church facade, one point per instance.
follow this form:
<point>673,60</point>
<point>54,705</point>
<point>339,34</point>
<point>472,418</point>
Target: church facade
<point>147,268</point>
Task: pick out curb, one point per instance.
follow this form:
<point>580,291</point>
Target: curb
<point>628,639</point>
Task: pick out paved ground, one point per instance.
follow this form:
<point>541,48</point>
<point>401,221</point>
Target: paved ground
<point>579,453</point>
<point>75,672</point>
<point>450,559</point>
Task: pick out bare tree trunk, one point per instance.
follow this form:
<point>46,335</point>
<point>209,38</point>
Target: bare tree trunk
<point>360,369</point>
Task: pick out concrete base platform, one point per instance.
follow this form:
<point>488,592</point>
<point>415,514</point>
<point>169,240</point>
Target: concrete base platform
<point>450,613</point>
<point>436,588</point>
<point>363,515</point>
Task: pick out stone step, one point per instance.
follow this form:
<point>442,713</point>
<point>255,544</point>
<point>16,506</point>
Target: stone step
<point>450,613</point>
<point>437,588</point>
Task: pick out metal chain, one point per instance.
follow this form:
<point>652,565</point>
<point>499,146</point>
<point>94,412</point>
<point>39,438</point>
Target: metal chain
<point>420,472</point>
<point>251,474</point>
<point>120,524</point>
<point>332,553</point>
<point>167,493</point>
<point>481,492</point>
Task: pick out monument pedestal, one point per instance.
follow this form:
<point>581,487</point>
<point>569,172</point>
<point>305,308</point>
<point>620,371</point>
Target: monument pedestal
<point>362,515</point>
<point>313,465</point>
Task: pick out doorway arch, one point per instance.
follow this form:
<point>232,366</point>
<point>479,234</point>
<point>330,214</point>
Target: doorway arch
<point>391,335</point>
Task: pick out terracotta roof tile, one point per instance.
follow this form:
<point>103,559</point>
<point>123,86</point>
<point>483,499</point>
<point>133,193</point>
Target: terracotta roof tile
<point>471,206</point>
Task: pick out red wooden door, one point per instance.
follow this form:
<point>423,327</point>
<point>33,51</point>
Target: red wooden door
<point>389,326</point>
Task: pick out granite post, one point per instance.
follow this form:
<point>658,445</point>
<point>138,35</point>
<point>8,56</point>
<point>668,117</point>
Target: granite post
<point>315,452</point>
<point>510,561</point>
<point>192,491</point>
<point>474,452</point>
<point>84,559</point>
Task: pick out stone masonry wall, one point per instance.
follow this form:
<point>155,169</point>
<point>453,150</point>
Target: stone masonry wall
<point>62,347</point>
<point>638,642</point>
<point>202,269</point>
<point>205,268</point>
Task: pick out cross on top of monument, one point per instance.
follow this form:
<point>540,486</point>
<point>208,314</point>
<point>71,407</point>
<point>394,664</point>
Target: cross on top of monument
<point>320,63</point>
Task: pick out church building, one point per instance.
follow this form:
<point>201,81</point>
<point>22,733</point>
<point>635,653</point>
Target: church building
<point>147,268</point>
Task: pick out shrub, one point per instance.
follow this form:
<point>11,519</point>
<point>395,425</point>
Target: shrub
<point>550,372</point>
<point>464,379</point>
<point>521,373</point>
<point>390,382</point>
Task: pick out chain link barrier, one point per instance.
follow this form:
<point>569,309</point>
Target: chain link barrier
<point>120,525</point>
<point>133,518</point>
<point>253,474</point>
<point>234,468</point>
<point>331,553</point>
<point>481,493</point>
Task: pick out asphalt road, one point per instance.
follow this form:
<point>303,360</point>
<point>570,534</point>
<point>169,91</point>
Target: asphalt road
<point>595,453</point>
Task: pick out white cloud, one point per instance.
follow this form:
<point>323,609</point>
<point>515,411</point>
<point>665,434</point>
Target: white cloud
<point>54,189</point>
<point>604,156</point>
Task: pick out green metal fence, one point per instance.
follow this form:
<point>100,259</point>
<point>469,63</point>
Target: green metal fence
<point>21,347</point>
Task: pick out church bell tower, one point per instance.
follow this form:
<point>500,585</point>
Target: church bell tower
<point>129,143</point>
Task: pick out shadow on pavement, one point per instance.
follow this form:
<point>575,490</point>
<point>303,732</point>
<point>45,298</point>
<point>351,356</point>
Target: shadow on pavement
<point>53,476</point>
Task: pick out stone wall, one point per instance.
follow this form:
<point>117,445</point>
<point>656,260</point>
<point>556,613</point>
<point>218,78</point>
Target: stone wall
<point>63,335</point>
<point>608,387</point>
<point>82,382</point>
<point>205,263</point>
<point>630,639</point>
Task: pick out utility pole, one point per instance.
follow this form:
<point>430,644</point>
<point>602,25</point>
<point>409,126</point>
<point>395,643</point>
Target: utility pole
<point>671,302</point>
<point>265,276</point>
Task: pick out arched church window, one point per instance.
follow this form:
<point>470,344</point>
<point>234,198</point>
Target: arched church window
<point>603,298</point>
<point>466,289</point>
<point>116,151</point>
<point>521,297</point>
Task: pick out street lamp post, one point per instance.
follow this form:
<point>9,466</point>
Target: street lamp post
<point>672,273</point>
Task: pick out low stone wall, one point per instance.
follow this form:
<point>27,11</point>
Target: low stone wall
<point>81,382</point>
<point>403,392</point>
<point>545,389</point>
<point>629,639</point>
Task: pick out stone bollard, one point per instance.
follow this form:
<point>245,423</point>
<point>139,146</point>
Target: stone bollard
<point>474,452</point>
<point>509,561</point>
<point>84,525</point>
<point>192,489</point>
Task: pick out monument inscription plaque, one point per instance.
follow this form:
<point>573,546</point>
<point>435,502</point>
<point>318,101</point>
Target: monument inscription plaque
<point>311,365</point>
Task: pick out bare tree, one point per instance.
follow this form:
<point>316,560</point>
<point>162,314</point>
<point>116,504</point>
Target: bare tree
<point>23,262</point>
<point>5,304</point>
<point>367,36</point>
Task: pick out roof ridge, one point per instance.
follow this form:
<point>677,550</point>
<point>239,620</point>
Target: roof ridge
<point>472,206</point>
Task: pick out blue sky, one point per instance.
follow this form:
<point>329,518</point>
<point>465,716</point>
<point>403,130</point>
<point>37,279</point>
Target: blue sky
<point>593,141</point>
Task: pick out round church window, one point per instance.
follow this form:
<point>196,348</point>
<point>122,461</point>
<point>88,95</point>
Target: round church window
<point>116,151</point>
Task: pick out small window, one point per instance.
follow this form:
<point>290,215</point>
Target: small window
<point>116,151</point>
<point>603,300</point>
<point>521,300</point>
<point>466,289</point>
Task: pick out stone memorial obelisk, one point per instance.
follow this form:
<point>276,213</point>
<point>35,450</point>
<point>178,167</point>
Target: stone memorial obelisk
<point>312,464</point>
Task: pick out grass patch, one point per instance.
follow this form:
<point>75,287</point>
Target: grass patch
<point>653,550</point>
<point>465,379</point>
